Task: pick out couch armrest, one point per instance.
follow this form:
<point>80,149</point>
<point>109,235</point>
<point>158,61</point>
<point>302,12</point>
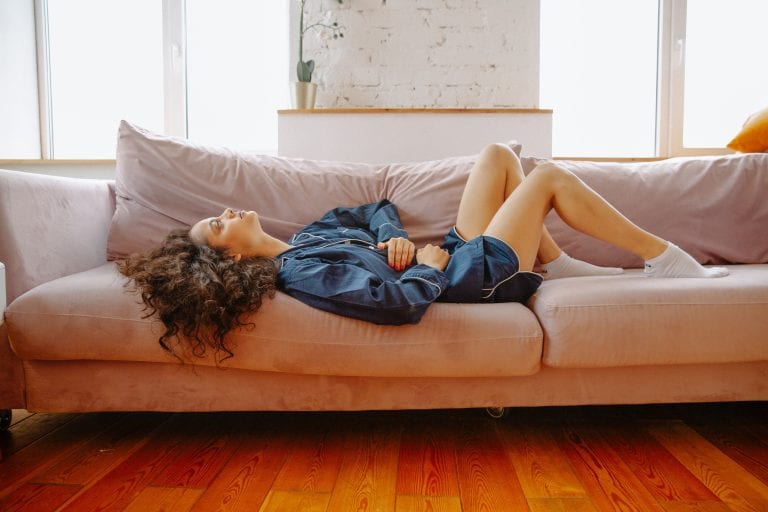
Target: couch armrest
<point>12,395</point>
<point>12,383</point>
<point>51,227</point>
<point>2,293</point>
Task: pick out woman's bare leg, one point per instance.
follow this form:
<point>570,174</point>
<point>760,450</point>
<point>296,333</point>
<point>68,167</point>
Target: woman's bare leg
<point>496,174</point>
<point>519,221</point>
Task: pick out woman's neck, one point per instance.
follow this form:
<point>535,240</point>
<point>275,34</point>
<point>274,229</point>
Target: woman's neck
<point>271,246</point>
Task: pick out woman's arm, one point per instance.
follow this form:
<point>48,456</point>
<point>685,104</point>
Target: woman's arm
<point>400,252</point>
<point>381,219</point>
<point>352,291</point>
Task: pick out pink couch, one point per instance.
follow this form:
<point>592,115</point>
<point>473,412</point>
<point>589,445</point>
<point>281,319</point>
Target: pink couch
<point>75,340</point>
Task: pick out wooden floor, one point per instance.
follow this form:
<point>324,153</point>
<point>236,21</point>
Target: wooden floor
<point>681,458</point>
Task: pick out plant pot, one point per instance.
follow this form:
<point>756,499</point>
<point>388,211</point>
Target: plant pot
<point>304,95</point>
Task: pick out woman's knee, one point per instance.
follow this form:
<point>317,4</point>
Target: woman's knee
<point>553,174</point>
<point>499,161</point>
<point>499,152</point>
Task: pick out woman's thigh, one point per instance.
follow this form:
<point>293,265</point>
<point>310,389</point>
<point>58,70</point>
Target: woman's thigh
<point>519,221</point>
<point>495,174</point>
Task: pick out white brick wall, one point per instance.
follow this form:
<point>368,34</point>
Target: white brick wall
<point>426,53</point>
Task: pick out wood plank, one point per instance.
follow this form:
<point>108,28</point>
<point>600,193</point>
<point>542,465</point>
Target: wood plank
<point>735,486</point>
<point>368,474</point>
<point>48,450</point>
<point>487,479</point>
<point>38,497</point>
<point>99,455</point>
<point>20,415</point>
<point>740,444</point>
<point>659,471</point>
<point>428,504</point>
<point>244,482</point>
<point>123,484</point>
<point>33,428</point>
<point>427,465</point>
<point>314,460</point>
<point>695,506</point>
<point>296,501</point>
<point>208,444</point>
<point>543,469</point>
<point>754,421</point>
<point>161,499</point>
<point>609,482</point>
<point>561,505</point>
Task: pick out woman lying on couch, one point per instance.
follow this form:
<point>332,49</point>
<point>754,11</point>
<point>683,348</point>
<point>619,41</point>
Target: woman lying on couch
<point>358,262</point>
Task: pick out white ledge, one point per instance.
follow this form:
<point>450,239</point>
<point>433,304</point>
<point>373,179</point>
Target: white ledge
<point>408,135</point>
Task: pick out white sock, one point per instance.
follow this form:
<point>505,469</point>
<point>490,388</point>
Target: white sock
<point>565,266</point>
<point>675,262</point>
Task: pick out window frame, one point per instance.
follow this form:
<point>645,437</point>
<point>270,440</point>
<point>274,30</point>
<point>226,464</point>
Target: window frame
<point>174,73</point>
<point>670,77</point>
<point>671,86</point>
<point>44,97</point>
<point>175,117</point>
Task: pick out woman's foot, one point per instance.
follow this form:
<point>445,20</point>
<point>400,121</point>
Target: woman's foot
<point>565,266</point>
<point>675,262</point>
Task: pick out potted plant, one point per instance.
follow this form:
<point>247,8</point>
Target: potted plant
<point>304,89</point>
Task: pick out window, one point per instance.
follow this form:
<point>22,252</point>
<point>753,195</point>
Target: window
<point>635,79</point>
<point>19,126</point>
<point>207,69</point>
<point>725,76</point>
<point>237,55</point>
<point>101,72</point>
<point>598,73</point>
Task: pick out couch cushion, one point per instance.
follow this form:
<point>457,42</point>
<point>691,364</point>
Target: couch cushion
<point>91,316</point>
<point>631,319</point>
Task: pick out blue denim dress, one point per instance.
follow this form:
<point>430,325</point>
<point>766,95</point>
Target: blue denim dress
<point>485,269</point>
<point>335,265</point>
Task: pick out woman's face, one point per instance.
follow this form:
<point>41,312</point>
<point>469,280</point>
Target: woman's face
<point>235,231</point>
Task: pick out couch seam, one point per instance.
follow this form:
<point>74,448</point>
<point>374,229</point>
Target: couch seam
<point>646,304</point>
<point>485,339</point>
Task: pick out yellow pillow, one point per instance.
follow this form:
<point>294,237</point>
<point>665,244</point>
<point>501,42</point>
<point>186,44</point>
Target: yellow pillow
<point>753,137</point>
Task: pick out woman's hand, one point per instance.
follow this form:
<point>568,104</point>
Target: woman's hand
<point>433,256</point>
<point>399,252</point>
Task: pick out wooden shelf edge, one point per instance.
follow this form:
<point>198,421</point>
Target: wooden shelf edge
<point>417,111</point>
<point>30,161</point>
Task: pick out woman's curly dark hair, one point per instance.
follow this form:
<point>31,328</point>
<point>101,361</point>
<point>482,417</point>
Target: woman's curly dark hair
<point>197,292</point>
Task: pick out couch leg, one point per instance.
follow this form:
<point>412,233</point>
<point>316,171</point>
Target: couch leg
<point>497,412</point>
<point>5,419</point>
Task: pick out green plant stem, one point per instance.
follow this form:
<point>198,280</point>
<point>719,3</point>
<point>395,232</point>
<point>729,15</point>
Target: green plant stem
<point>301,32</point>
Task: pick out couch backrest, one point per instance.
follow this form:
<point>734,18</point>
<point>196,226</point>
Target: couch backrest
<point>713,207</point>
<point>164,183</point>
